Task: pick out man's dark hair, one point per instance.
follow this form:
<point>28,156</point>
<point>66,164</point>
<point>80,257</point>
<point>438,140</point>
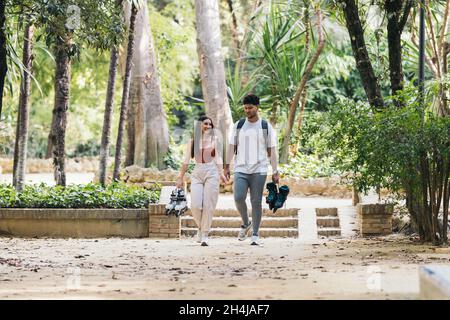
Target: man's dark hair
<point>251,99</point>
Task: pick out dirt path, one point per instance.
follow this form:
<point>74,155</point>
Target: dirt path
<point>227,269</point>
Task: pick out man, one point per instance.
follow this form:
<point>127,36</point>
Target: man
<point>253,141</point>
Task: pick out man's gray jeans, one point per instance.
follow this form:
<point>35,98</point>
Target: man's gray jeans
<point>242,182</point>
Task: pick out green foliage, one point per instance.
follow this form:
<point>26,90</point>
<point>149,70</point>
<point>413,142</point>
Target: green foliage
<point>89,149</point>
<point>308,166</point>
<point>171,160</point>
<point>115,195</point>
<point>237,91</point>
<point>384,148</point>
<point>98,24</point>
<point>278,54</point>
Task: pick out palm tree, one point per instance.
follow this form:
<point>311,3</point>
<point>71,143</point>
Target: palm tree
<point>106,132</point>
<point>3,52</point>
<point>20,150</point>
<point>126,91</point>
<point>62,95</point>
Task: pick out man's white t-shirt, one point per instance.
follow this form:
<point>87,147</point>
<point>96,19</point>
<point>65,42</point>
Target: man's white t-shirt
<point>252,154</point>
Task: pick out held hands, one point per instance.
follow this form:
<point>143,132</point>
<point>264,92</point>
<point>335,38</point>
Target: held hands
<point>224,178</point>
<point>226,174</point>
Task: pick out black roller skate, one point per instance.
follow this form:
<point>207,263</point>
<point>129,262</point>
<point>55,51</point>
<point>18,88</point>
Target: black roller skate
<point>272,196</point>
<point>281,198</point>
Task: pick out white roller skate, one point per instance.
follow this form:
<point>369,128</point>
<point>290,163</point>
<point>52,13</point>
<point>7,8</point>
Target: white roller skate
<point>170,207</point>
<point>181,205</point>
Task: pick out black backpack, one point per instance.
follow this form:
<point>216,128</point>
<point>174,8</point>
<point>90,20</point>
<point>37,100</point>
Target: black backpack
<point>265,128</point>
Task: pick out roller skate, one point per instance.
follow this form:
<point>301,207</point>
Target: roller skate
<point>272,196</point>
<point>282,194</point>
<point>170,207</point>
<point>181,203</point>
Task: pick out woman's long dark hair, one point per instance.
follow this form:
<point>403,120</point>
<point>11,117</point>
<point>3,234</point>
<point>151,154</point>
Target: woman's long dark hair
<point>199,123</point>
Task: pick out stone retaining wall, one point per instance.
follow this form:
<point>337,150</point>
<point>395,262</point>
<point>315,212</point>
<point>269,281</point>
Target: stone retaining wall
<point>327,187</point>
<point>74,223</point>
<point>85,164</point>
<point>89,223</point>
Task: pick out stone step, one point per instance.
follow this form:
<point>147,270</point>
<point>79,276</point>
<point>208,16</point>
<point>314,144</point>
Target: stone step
<point>235,222</point>
<point>322,212</point>
<point>293,212</point>
<point>233,232</point>
<point>328,232</point>
<point>328,222</point>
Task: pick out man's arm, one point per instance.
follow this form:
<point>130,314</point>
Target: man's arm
<point>274,159</point>
<point>230,151</point>
<point>274,156</point>
<point>274,164</point>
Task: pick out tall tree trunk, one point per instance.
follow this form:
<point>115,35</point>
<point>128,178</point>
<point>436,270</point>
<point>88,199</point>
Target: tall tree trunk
<point>3,53</point>
<point>234,30</point>
<point>303,101</point>
<point>131,129</point>
<point>446,196</point>
<point>148,131</point>
<point>62,96</point>
<point>397,12</point>
<point>363,64</point>
<point>212,68</point>
<point>284,154</point>
<point>20,151</point>
<point>444,110</point>
<point>125,93</point>
<point>240,65</point>
<point>49,151</point>
<point>106,133</point>
<point>305,92</point>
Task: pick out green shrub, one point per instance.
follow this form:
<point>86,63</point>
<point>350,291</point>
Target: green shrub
<point>115,195</point>
<point>404,149</point>
<point>308,166</point>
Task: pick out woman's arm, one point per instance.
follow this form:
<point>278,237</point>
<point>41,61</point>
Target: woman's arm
<point>184,166</point>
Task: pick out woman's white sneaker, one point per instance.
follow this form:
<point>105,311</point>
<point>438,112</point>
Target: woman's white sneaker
<point>205,240</point>
<point>198,236</point>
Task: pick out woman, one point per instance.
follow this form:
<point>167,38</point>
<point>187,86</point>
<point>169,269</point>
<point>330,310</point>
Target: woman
<point>205,148</point>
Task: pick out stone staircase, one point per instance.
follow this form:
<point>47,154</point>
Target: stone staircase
<point>328,224</point>
<point>227,223</point>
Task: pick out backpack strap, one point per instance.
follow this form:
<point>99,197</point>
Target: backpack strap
<point>265,128</point>
<point>236,137</point>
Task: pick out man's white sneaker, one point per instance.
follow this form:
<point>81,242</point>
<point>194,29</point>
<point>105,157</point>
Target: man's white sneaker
<point>205,240</point>
<point>243,232</point>
<point>255,240</point>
